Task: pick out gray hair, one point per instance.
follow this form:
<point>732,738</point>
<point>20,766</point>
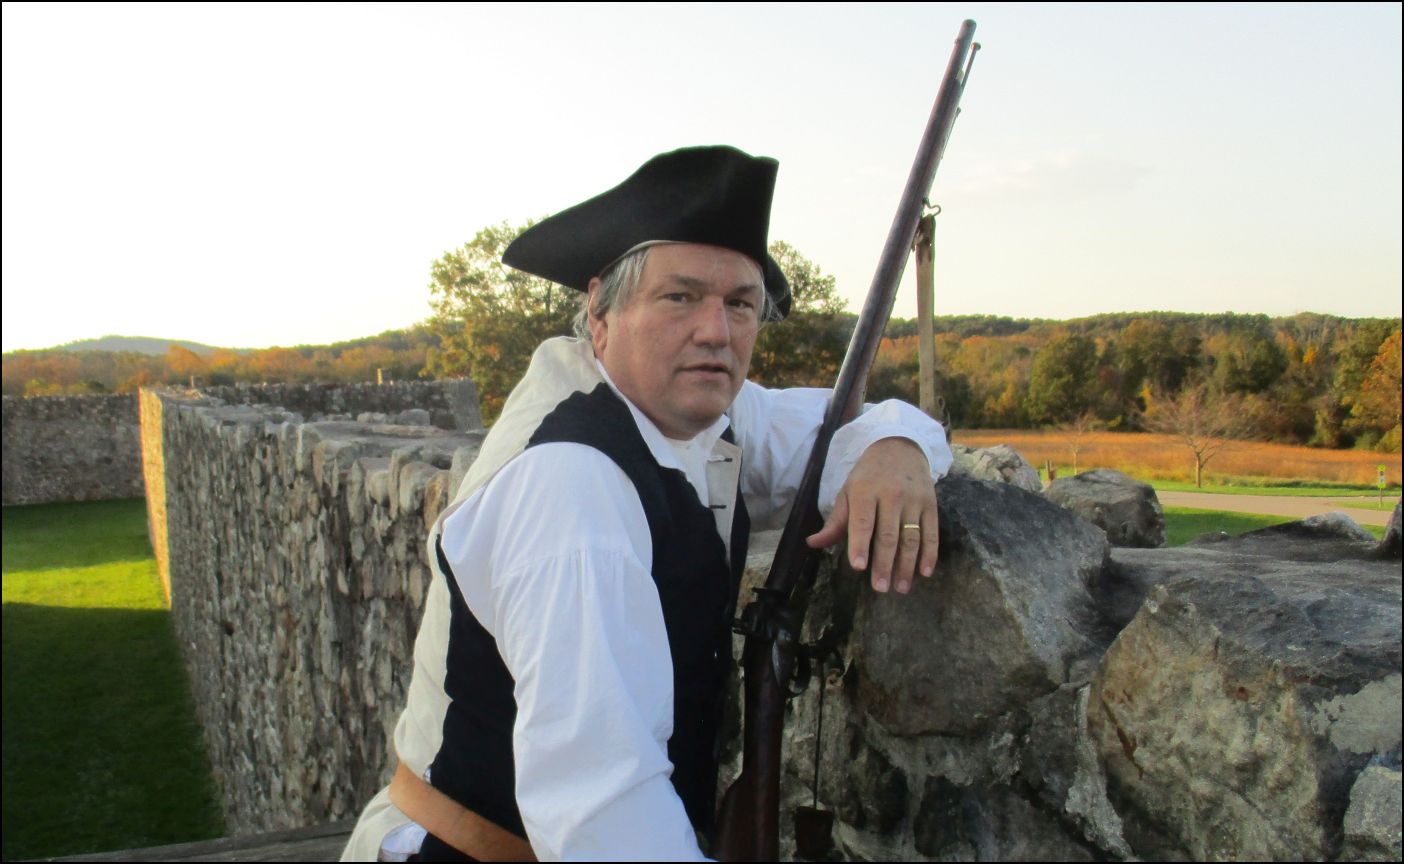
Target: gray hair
<point>618,284</point>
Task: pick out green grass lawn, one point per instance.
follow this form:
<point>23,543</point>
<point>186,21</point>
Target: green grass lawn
<point>1313,489</point>
<point>102,750</point>
<point>1223,484</point>
<point>1183,524</point>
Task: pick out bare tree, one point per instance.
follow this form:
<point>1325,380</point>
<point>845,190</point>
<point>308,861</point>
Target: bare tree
<point>1077,430</point>
<point>1206,423</point>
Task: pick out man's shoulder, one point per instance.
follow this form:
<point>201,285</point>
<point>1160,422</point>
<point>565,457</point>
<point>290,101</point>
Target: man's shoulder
<point>597,417</point>
<point>560,367</point>
<point>557,499</point>
<point>557,468</point>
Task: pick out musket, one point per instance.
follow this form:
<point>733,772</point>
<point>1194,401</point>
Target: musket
<point>749,823</point>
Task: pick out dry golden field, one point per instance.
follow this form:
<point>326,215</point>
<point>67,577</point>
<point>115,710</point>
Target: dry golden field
<point>1163,457</point>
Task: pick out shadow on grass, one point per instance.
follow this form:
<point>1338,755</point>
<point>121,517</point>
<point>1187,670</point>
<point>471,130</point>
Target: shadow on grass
<point>43,536</point>
<point>101,747</point>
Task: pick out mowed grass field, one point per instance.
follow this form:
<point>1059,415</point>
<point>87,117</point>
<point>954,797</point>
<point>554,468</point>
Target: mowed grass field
<point>102,750</point>
<point>1152,457</point>
<point>1183,524</point>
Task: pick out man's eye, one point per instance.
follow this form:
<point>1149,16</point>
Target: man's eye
<point>676,297</point>
<point>742,304</point>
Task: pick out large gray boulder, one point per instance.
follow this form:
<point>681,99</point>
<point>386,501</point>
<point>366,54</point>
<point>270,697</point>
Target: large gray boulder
<point>1008,618</point>
<point>1335,525</point>
<point>1238,707</point>
<point>1392,545</point>
<point>1372,823</point>
<point>924,717</point>
<point>999,464</point>
<point>1127,509</point>
<point>1325,537</point>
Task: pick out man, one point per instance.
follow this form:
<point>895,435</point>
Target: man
<point>570,667</point>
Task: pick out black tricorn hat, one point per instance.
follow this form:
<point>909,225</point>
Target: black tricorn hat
<point>718,196</point>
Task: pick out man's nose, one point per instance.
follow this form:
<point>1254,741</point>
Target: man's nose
<point>713,328</point>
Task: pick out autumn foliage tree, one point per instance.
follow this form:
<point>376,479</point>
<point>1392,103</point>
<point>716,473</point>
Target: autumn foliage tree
<point>1376,405</point>
<point>995,371</point>
<point>805,349</point>
<point>490,317</point>
<point>185,365</point>
<point>1061,383</point>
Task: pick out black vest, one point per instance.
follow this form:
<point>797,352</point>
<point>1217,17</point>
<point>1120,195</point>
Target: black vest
<point>697,589</point>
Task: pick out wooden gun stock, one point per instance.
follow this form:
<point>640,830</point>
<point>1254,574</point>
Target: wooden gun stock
<point>749,821</point>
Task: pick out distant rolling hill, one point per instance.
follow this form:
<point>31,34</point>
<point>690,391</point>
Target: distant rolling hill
<point>136,344</point>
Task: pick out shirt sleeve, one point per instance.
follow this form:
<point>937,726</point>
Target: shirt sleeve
<point>776,430</point>
<point>570,598</point>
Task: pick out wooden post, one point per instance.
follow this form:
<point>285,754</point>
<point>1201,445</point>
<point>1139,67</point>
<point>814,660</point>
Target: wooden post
<point>925,248</point>
<point>379,376</point>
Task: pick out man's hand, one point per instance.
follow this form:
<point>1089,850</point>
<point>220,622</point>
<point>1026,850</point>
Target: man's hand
<point>888,492</point>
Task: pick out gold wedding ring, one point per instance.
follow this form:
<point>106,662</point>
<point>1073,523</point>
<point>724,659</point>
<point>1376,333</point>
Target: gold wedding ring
<point>911,525</point>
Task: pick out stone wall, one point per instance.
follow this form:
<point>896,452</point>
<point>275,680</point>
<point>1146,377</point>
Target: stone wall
<point>70,448</point>
<point>1047,697</point>
<point>1044,697</point>
<point>294,554</point>
<point>450,404</point>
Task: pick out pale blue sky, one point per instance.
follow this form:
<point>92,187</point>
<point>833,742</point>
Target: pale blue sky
<point>257,175</point>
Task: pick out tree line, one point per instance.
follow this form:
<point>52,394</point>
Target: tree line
<point>396,355</point>
<point>1306,379</point>
<point>1311,379</point>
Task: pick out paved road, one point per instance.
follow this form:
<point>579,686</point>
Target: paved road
<point>1364,511</point>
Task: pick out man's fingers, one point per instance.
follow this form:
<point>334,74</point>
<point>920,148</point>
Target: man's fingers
<point>832,532</point>
<point>885,534</point>
<point>887,509</point>
<point>930,540</point>
<point>909,545</point>
<point>862,516</point>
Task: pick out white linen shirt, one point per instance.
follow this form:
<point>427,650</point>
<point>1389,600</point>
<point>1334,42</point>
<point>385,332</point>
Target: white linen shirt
<point>554,558</point>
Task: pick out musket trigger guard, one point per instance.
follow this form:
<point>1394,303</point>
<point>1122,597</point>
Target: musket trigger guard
<point>799,681</point>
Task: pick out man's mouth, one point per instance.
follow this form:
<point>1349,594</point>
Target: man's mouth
<point>708,368</point>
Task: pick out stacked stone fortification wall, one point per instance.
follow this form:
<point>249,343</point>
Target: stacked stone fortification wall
<point>451,404</point>
<point>70,448</point>
<point>295,559</point>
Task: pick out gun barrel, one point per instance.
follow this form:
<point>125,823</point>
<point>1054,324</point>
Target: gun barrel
<point>752,802</point>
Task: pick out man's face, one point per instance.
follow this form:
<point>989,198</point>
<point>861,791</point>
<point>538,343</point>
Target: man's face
<point>681,345</point>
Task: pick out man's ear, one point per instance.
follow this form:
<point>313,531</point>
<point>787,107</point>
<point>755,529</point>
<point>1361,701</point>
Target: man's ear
<point>599,327</point>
